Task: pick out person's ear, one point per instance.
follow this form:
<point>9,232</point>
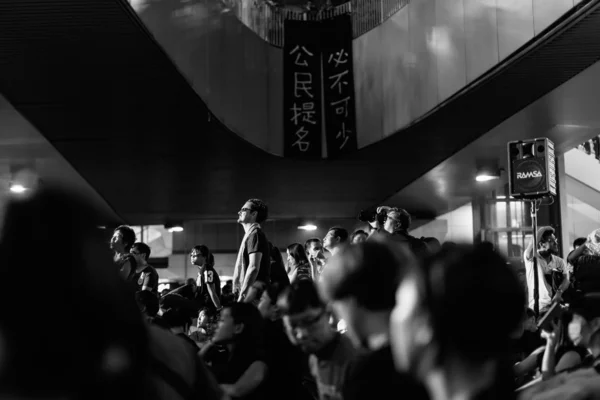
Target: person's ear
<point>238,328</point>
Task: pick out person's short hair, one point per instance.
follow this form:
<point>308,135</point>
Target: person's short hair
<point>252,336</point>
<point>206,253</point>
<point>310,241</point>
<point>299,297</point>
<point>209,312</point>
<point>433,243</point>
<point>578,242</point>
<point>176,318</point>
<point>448,245</point>
<point>356,233</point>
<point>190,281</point>
<point>143,248</point>
<point>450,281</point>
<point>147,302</point>
<point>401,216</point>
<point>340,233</point>
<point>128,235</point>
<point>544,233</point>
<point>368,272</point>
<point>298,253</point>
<point>262,210</point>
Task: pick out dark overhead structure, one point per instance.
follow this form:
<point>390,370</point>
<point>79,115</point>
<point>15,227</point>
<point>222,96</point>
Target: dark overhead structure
<point>89,76</point>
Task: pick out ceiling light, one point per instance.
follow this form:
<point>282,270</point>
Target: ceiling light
<point>487,173</point>
<point>308,227</point>
<point>16,188</point>
<point>174,227</point>
<point>484,177</point>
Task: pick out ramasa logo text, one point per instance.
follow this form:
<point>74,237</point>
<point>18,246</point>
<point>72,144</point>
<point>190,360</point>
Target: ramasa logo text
<point>529,175</point>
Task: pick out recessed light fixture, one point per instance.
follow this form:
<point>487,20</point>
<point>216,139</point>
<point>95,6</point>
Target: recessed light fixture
<point>308,227</point>
<point>174,227</point>
<point>487,174</point>
<point>486,177</point>
<point>17,188</point>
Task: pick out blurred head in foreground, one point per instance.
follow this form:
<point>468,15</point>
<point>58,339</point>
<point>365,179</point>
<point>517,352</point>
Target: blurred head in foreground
<point>454,316</point>
<point>361,282</point>
<point>90,339</point>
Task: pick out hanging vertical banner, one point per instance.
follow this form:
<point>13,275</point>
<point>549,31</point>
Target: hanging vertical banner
<point>302,89</point>
<point>338,85</point>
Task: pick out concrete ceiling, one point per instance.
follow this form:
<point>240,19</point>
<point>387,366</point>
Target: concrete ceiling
<point>26,156</point>
<point>568,116</point>
<point>94,82</point>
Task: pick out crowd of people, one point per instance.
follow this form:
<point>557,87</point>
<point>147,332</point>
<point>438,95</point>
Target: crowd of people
<point>373,314</point>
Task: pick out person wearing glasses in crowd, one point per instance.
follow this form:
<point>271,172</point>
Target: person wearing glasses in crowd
<point>396,225</point>
<point>253,264</point>
<point>553,275</point>
<point>306,320</point>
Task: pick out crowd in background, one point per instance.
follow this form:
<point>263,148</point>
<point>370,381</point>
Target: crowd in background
<point>373,314</point>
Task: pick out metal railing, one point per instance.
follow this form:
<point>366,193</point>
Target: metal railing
<point>267,20</point>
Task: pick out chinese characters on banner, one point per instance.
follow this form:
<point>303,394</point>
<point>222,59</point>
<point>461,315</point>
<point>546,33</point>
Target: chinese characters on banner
<point>302,89</point>
<point>338,85</point>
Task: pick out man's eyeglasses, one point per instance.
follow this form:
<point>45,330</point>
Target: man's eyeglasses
<point>307,323</point>
<point>135,253</point>
<point>246,210</point>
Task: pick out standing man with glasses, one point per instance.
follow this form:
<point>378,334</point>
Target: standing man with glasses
<point>252,267</point>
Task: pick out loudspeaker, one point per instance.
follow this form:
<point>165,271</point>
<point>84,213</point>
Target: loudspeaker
<point>531,169</point>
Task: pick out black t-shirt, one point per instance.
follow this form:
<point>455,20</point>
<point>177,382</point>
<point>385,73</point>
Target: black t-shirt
<point>288,366</point>
<point>228,370</point>
<point>209,276</point>
<point>257,243</point>
<point>278,274</point>
<point>124,259</point>
<point>373,376</point>
<point>193,346</point>
<point>147,277</point>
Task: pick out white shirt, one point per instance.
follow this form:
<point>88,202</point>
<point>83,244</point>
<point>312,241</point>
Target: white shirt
<point>556,264</point>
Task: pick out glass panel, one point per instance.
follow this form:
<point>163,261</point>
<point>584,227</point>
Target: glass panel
<point>501,217</point>
<point>502,244</point>
<point>157,237</point>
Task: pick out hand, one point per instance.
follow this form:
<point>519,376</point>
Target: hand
<point>383,208</point>
<point>558,296</point>
<point>552,337</point>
